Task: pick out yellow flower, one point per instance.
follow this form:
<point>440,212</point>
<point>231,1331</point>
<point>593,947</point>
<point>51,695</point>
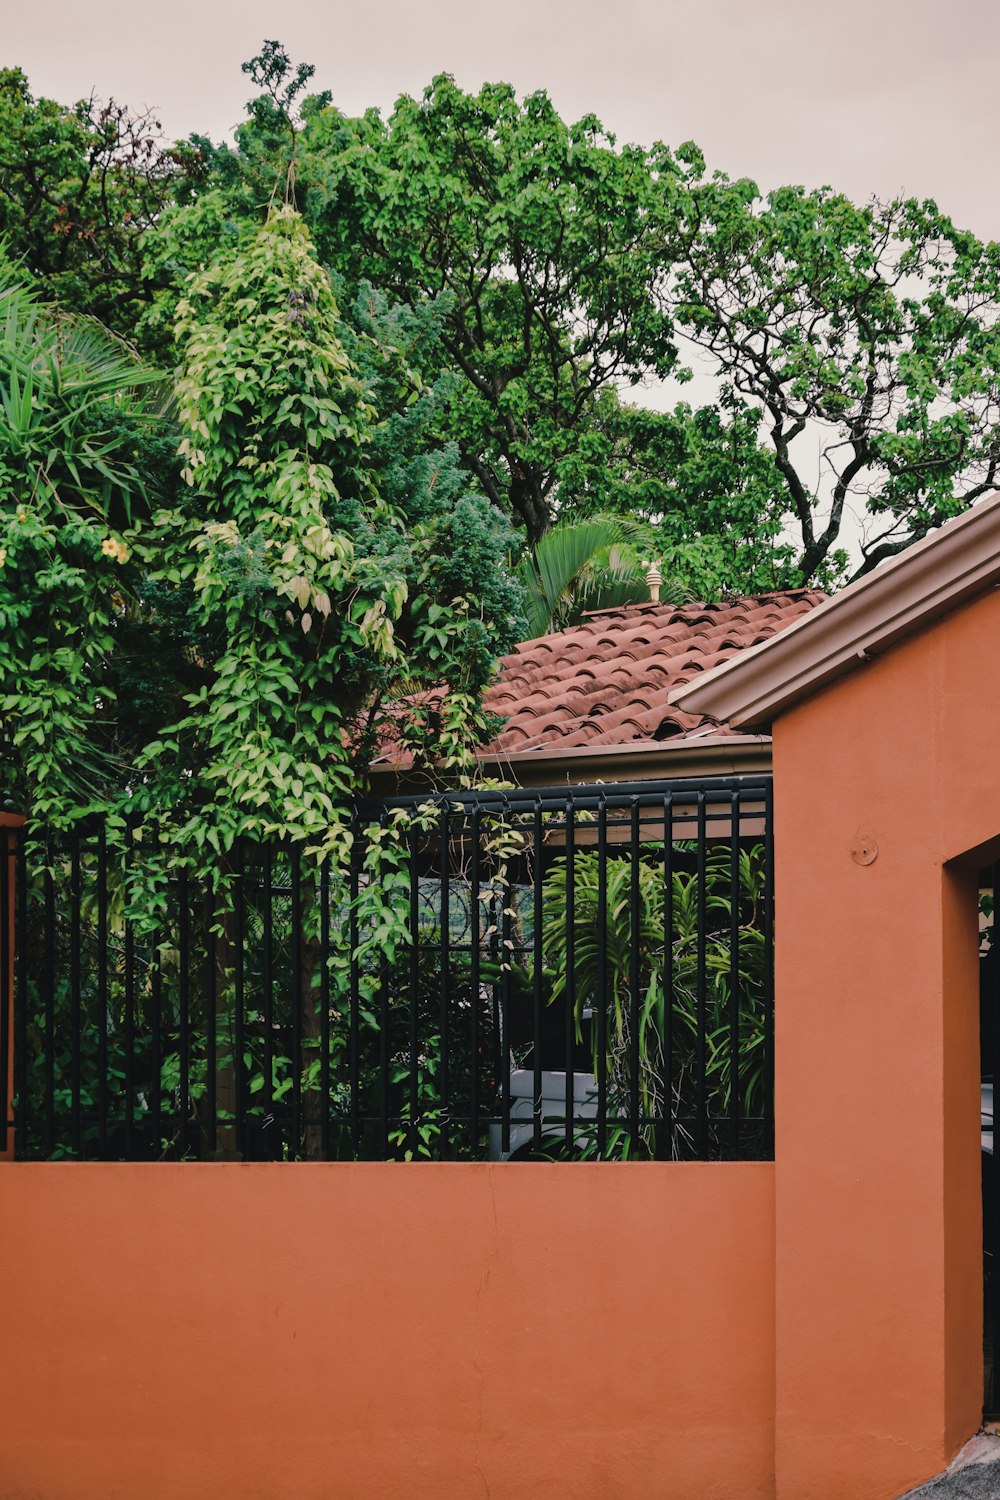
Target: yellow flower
<point>3,556</point>
<point>109,547</point>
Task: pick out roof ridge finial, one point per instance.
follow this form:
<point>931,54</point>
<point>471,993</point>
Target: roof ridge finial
<point>654,578</point>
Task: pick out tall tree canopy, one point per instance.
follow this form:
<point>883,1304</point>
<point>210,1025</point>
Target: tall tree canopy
<point>544,237</point>
<point>575,268</point>
<point>312,548</point>
<point>875,328</point>
<point>226,654</point>
<point>80,187</point>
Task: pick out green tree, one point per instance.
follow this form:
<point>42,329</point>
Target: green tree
<point>81,417</point>
<point>79,189</point>
<point>230,651</point>
<point>575,267</point>
<point>544,237</point>
<point>707,493</point>
<point>220,658</point>
<point>874,328</point>
<point>564,270</point>
<point>327,600</point>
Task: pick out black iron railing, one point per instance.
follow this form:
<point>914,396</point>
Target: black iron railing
<point>582,972</point>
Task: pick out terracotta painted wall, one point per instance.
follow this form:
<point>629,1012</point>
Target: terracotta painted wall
<point>878,1232</point>
<point>385,1332</point>
<point>663,1331</point>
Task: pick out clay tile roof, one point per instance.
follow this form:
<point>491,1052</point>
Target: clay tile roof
<point>607,681</point>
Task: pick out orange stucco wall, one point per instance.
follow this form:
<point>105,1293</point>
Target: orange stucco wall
<point>806,1331</point>
<point>878,1220</point>
<point>375,1332</point>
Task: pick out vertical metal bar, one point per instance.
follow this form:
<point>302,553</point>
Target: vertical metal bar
<point>129,1004</point>
<point>991,1184</point>
<point>299,1002</point>
<point>6,998</point>
<point>156,1047</point>
<point>506,951</point>
<point>538,976</point>
<point>50,1009</point>
<point>500,1064</point>
<point>384,1049</point>
<point>474,941</point>
<point>103,938</point>
<point>735,995</point>
<point>184,1014</point>
<point>22,1115</point>
<point>267,984</point>
<point>239,1002</point>
<point>211,1023</point>
<point>414,1007</point>
<point>570,1077</point>
<point>667,1144</point>
<point>75,992</point>
<point>768,1081</point>
<point>702,985</point>
<point>324,994</point>
<point>355,983</point>
<point>384,1055</point>
<point>634,976</point>
<point>602,978</point>
<point>444,1078</point>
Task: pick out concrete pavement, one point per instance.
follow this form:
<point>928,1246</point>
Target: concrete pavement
<point>974,1474</point>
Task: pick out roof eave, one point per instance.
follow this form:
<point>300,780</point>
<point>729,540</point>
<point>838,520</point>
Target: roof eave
<point>700,755</point>
<point>930,578</point>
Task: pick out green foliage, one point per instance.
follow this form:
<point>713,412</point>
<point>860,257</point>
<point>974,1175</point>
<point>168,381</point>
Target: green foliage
<point>576,267</point>
<point>76,406</point>
<point>709,493</point>
<point>162,1055</point>
<point>191,233</point>
<point>562,269</point>
<point>874,327</point>
<point>77,409</point>
<point>320,601</point>
<point>580,566</point>
<point>225,643</point>
<point>546,238</point>
<point>640,990</point>
<point>81,187</point>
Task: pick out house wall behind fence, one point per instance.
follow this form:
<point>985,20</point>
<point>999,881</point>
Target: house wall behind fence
<point>387,1332</point>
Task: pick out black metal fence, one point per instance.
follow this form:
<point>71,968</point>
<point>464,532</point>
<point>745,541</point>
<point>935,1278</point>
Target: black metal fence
<point>575,973</point>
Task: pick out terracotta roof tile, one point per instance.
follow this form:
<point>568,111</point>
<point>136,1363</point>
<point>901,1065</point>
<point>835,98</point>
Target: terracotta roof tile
<point>607,680</point>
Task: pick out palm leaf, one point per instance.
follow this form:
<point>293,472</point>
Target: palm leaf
<point>580,566</point>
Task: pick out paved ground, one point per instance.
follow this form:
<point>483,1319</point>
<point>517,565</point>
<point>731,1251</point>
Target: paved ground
<point>973,1475</point>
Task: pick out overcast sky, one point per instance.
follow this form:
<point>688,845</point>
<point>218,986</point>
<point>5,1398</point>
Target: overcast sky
<point>873,96</point>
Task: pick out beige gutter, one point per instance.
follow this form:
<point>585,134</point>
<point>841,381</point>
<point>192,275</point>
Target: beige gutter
<point>955,563</point>
<point>704,755</point>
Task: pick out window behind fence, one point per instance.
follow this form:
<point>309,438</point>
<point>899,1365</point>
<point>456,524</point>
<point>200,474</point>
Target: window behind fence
<point>578,973</point>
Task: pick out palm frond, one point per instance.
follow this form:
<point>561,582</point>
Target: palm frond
<point>584,565</point>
